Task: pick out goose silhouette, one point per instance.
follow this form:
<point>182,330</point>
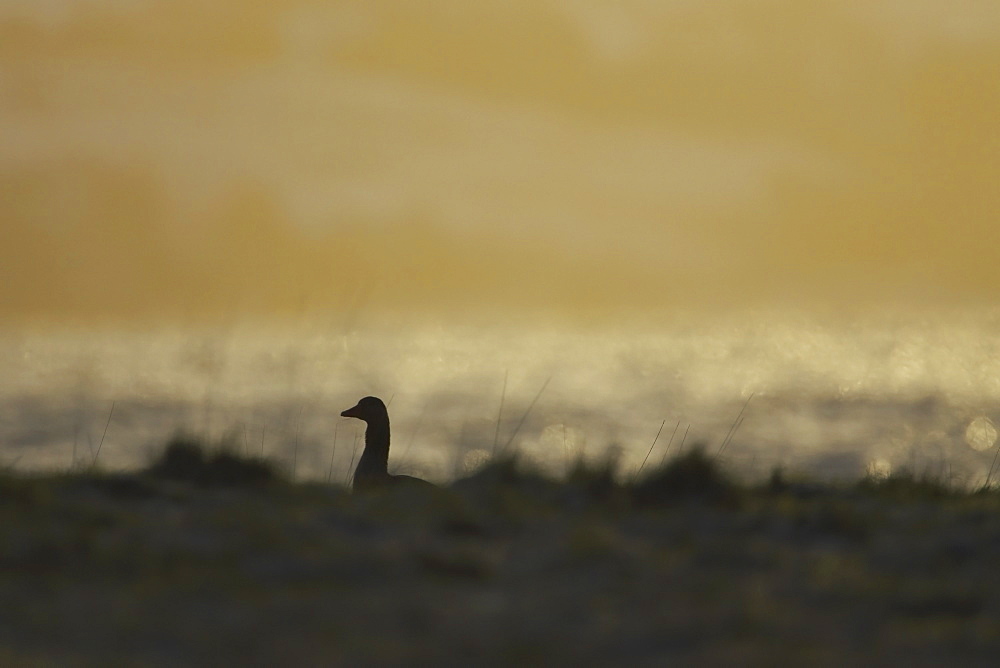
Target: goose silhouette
<point>372,471</point>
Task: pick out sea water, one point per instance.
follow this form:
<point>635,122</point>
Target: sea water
<point>835,398</point>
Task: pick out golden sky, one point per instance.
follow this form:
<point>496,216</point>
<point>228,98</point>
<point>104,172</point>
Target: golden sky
<point>184,158</point>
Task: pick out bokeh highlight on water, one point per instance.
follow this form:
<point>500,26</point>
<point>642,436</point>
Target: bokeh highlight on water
<point>832,400</point>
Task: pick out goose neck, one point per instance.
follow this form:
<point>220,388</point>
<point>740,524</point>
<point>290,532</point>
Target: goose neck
<point>375,458</point>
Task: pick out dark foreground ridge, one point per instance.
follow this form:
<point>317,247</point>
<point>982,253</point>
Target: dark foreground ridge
<point>205,559</point>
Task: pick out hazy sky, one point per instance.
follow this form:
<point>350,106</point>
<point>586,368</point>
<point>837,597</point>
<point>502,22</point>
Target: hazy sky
<point>193,158</point>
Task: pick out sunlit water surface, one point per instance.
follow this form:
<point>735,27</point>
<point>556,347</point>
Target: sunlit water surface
<point>832,400</point>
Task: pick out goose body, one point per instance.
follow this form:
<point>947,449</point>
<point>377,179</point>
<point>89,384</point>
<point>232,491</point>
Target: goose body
<point>372,471</point>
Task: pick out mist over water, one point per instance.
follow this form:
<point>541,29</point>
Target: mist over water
<point>832,400</point>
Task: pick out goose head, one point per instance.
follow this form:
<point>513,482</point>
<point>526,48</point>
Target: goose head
<point>368,409</point>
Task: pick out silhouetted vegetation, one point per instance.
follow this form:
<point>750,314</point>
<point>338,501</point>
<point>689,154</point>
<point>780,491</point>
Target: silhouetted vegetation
<point>185,458</point>
<point>692,475</point>
<point>904,484</point>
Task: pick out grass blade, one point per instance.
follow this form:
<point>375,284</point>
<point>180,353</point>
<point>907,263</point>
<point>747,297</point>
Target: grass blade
<point>651,447</point>
<point>670,442</point>
<point>329,474</point>
<point>295,453</point>
<point>354,454</point>
<point>106,425</point>
<point>989,475</point>
<point>525,416</point>
<point>736,425</point>
<point>503,395</point>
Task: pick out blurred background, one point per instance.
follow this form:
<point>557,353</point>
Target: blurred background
<point>227,215</point>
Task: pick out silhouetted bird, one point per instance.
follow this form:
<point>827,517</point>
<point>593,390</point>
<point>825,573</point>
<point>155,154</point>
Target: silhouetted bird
<point>372,471</point>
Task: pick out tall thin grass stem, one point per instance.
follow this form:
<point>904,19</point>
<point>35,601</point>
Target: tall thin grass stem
<point>670,442</point>
<point>503,395</point>
<point>989,475</point>
<point>329,474</point>
<point>413,434</point>
<point>106,425</point>
<point>295,452</point>
<point>736,425</point>
<point>525,416</point>
<point>656,438</point>
<point>685,438</point>
<point>354,453</point>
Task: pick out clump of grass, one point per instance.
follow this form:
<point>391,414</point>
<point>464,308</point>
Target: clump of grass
<point>188,459</point>
<point>777,483</point>
<point>692,475</point>
<point>904,484</point>
<point>595,480</point>
<point>505,470</point>
<point>512,489</point>
<point>781,482</point>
